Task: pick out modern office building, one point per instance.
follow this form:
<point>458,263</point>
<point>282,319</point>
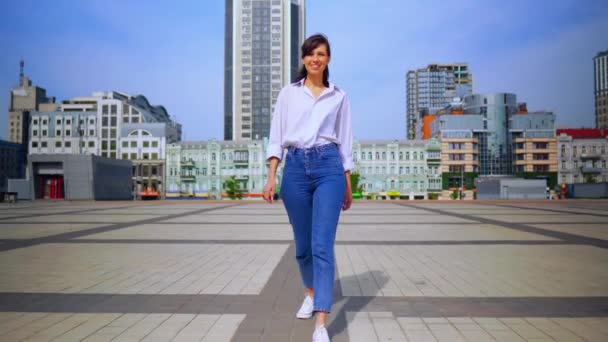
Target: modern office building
<point>261,55</point>
<point>494,136</point>
<point>12,163</point>
<point>495,155</point>
<point>431,89</point>
<point>533,142</point>
<point>79,177</point>
<point>600,68</point>
<point>582,155</point>
<point>113,125</point>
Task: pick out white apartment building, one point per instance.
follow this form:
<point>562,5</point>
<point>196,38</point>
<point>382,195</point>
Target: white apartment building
<point>262,54</point>
<point>113,125</point>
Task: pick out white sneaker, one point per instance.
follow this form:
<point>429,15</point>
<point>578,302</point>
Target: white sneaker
<point>306,309</point>
<point>320,335</point>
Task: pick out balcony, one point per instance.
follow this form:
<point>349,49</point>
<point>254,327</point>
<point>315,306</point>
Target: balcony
<point>187,163</point>
<point>187,178</point>
<point>590,156</point>
<point>592,170</point>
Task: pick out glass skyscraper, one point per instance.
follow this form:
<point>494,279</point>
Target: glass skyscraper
<point>263,39</point>
<point>433,88</point>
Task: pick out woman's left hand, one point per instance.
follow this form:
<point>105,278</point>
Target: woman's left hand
<point>348,198</point>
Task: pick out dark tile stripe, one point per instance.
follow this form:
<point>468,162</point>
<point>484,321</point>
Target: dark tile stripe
<point>76,234</point>
<point>572,238</point>
<point>560,211</point>
<point>67,212</point>
<point>283,242</point>
<point>262,308</point>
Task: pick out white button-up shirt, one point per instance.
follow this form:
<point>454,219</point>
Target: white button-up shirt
<point>303,121</point>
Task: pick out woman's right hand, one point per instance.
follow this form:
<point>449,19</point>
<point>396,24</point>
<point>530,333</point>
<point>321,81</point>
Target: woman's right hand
<point>269,189</point>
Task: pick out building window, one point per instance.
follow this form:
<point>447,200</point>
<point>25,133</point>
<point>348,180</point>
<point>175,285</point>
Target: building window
<point>35,121</point>
<point>125,144</point>
<point>68,144</point>
<point>146,144</point>
<point>57,132</point>
<point>155,144</point>
<point>57,143</point>
<point>68,133</point>
<point>91,144</point>
<point>133,156</point>
<point>155,156</point>
<point>133,144</point>
<point>34,144</point>
<point>43,144</point>
<point>35,133</point>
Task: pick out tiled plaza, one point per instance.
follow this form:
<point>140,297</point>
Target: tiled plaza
<point>225,271</point>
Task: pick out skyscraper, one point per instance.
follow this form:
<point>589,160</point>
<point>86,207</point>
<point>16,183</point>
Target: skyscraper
<point>600,67</point>
<point>263,39</point>
<point>433,88</point>
<point>22,100</point>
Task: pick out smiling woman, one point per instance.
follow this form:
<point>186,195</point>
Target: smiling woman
<point>312,121</point>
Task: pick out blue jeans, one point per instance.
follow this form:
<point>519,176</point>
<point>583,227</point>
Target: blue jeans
<point>312,190</point>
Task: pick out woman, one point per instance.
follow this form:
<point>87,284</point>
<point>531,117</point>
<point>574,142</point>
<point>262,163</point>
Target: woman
<point>312,120</point>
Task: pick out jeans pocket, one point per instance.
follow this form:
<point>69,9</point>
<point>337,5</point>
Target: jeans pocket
<point>330,153</point>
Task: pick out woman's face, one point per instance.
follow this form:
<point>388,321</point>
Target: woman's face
<point>316,62</point>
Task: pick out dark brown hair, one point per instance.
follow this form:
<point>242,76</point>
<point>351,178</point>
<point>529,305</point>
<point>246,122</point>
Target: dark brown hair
<point>309,45</point>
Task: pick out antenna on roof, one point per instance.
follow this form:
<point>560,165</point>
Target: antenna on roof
<point>21,66</point>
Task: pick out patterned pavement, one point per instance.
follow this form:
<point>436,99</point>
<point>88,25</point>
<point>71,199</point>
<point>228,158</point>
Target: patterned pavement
<point>224,271</point>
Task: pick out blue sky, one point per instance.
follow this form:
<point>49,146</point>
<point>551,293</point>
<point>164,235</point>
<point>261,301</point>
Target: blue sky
<point>172,52</point>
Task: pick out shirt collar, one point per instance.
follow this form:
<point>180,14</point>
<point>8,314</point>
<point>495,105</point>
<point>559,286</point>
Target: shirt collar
<point>331,87</point>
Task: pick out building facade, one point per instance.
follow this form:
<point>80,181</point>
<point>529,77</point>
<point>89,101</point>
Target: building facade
<point>600,68</point>
<point>24,99</point>
<point>494,136</point>
<point>261,51</point>
<point>12,162</point>
<point>533,142</point>
<point>582,155</point>
<point>387,168</point>
<point>199,169</point>
<point>398,168</point>
<point>431,89</point>
<point>112,125</point>
<point>495,110</point>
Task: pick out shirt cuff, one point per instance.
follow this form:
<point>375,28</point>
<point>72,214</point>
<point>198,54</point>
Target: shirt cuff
<point>274,151</point>
<point>348,165</point>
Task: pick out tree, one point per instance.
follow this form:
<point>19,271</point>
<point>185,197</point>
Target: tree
<point>354,182</point>
<point>589,178</point>
<point>232,188</point>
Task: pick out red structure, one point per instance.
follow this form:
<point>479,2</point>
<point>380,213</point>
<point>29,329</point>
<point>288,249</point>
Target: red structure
<point>584,133</point>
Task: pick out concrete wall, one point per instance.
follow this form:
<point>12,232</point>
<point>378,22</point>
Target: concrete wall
<point>487,189</point>
<point>112,179</point>
<point>21,187</point>
<point>78,177</point>
<point>511,188</point>
<point>598,190</point>
<point>86,177</point>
